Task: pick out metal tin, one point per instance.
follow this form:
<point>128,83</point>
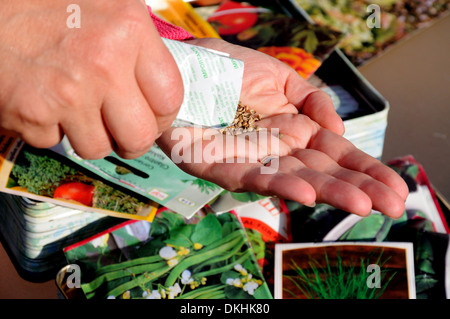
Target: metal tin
<point>35,233</point>
<point>61,283</point>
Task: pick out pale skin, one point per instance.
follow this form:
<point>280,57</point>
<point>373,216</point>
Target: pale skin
<point>103,85</point>
<point>316,164</point>
<point>113,86</point>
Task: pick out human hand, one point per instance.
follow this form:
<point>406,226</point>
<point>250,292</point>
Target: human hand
<point>315,165</point>
<point>109,85</point>
<point>272,87</point>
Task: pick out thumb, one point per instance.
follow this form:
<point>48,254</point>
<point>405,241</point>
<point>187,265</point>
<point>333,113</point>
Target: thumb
<point>159,78</point>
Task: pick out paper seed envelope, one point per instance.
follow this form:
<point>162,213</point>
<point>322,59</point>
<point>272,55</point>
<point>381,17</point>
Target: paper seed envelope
<point>212,85</point>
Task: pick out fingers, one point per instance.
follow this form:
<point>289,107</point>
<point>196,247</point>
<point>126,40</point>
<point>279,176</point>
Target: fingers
<point>347,155</point>
<point>141,93</point>
<point>293,181</point>
<point>337,168</point>
<point>247,177</point>
<point>382,198</point>
<point>141,101</point>
<point>315,165</point>
<point>90,139</point>
<point>41,136</point>
<point>329,189</point>
<point>235,166</point>
<point>388,195</point>
<point>314,103</point>
<point>319,107</point>
<point>145,100</point>
<point>37,126</point>
<point>129,120</point>
<point>296,130</point>
<point>359,161</point>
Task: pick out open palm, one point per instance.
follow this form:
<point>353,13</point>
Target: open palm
<point>312,162</point>
<point>271,87</point>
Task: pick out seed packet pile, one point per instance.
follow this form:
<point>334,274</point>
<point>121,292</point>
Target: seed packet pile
<point>158,259</point>
<point>301,45</point>
<point>35,233</point>
<point>205,257</point>
<point>364,38</point>
<point>48,202</point>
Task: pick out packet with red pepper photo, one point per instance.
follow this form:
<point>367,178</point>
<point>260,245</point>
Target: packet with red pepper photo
<point>298,43</point>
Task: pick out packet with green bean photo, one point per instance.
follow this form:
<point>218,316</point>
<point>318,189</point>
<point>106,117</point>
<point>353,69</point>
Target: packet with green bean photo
<point>205,257</point>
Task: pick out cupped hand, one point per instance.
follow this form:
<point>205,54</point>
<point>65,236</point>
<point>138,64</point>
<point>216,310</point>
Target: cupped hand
<point>310,165</point>
<point>272,87</point>
<point>313,162</point>
<point>110,84</point>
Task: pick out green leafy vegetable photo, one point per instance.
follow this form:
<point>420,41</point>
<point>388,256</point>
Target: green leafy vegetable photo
<point>209,258</point>
<point>42,173</point>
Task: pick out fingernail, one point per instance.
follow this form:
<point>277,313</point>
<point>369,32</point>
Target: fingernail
<point>312,205</point>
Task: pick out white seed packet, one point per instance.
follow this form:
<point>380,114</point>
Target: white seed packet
<point>212,85</point>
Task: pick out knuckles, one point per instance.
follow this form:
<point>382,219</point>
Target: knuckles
<point>26,109</point>
<point>66,92</point>
<point>45,140</point>
<point>94,152</point>
<point>135,147</point>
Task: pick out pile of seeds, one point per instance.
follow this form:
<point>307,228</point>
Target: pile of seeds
<point>244,121</point>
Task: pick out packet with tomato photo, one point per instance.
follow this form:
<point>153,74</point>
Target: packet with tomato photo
<point>300,44</point>
<point>45,176</point>
<point>267,222</point>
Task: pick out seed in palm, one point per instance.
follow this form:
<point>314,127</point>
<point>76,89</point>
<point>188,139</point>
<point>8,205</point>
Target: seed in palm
<point>244,121</point>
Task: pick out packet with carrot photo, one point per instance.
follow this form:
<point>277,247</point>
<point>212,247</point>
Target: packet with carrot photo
<point>182,14</point>
<point>265,27</point>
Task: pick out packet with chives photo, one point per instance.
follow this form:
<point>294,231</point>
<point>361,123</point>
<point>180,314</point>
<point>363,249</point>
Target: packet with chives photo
<point>345,270</point>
